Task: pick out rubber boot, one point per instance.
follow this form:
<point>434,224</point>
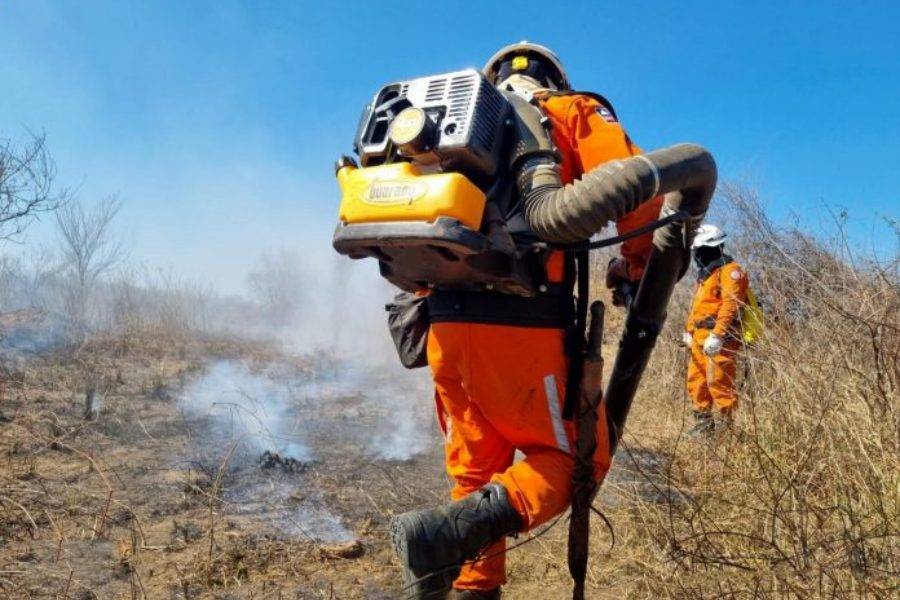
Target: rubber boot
<point>704,424</point>
<point>434,544</point>
<point>493,594</point>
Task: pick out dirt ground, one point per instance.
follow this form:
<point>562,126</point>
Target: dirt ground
<point>142,502</point>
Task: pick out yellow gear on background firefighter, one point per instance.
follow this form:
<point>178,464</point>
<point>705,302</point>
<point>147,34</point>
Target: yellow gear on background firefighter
<point>713,331</point>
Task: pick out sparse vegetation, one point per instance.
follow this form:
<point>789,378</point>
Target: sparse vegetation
<point>801,500</point>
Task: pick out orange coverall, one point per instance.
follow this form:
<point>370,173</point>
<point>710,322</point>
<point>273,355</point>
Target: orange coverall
<point>717,302</point>
<point>501,388</point>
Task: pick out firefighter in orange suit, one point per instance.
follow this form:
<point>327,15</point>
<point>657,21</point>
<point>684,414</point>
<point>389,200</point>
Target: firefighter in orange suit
<point>500,370</point>
<point>713,331</point>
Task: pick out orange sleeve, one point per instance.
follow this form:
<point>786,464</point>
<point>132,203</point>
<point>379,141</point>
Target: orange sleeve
<point>733,289</point>
<point>595,134</point>
<point>597,137</point>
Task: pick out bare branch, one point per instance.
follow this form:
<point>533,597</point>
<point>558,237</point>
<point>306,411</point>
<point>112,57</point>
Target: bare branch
<point>26,184</point>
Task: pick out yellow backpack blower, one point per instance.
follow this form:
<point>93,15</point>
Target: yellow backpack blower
<point>432,153</point>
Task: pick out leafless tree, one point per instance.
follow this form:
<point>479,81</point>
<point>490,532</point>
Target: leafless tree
<point>89,249</point>
<point>26,184</point>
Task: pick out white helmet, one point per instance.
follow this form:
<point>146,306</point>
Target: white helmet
<point>709,236</point>
<point>552,65</point>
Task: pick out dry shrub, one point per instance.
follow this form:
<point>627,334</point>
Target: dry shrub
<point>801,498</point>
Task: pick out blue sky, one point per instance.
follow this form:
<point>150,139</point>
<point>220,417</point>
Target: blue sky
<point>218,122</point>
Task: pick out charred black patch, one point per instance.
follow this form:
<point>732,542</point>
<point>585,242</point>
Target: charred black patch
<point>274,460</point>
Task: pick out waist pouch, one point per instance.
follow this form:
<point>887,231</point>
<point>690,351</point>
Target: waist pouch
<point>408,322</point>
<point>550,310</point>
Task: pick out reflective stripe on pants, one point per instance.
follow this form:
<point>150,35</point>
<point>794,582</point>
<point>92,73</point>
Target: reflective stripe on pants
<point>502,389</point>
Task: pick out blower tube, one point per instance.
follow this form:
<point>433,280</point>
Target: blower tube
<point>573,213</point>
<point>685,173</point>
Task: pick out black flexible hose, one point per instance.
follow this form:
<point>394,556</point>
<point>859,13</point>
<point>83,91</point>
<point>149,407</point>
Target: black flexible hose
<point>574,212</point>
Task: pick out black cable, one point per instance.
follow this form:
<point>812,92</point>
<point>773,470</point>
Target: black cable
<point>676,217</point>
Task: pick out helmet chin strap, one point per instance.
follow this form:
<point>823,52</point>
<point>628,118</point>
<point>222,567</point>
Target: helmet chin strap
<point>524,86</point>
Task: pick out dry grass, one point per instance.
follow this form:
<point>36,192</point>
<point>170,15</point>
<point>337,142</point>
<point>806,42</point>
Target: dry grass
<point>802,499</point>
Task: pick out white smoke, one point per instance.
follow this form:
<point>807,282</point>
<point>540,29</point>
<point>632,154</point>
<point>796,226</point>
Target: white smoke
<point>332,308</point>
<point>405,427</point>
<point>246,413</point>
<point>263,423</point>
<point>239,413</point>
<point>249,411</point>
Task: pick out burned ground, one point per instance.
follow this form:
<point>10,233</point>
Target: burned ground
<point>143,501</point>
<point>211,467</point>
<point>216,468</point>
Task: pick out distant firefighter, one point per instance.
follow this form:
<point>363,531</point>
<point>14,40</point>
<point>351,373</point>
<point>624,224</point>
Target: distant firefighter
<point>713,331</point>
